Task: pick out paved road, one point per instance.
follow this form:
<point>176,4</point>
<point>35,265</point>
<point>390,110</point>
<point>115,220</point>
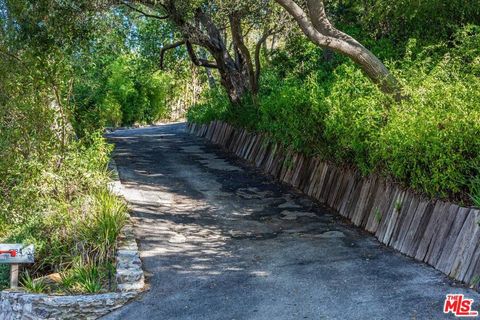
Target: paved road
<point>219,240</point>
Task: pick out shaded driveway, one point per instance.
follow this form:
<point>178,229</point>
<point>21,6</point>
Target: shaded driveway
<point>220,240</point>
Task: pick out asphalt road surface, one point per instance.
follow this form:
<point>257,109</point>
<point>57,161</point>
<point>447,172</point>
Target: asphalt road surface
<point>221,240</point>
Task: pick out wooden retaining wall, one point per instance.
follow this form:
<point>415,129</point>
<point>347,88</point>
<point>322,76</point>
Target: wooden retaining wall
<point>444,235</point>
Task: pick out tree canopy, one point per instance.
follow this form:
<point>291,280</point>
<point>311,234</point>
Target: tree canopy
<point>390,87</point>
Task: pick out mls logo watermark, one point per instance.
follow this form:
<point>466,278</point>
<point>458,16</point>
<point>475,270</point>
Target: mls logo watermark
<point>459,306</point>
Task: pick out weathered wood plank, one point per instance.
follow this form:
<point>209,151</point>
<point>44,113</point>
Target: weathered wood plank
<point>335,184</point>
<point>241,142</point>
<point>291,169</point>
<point>444,235</point>
<point>406,221</point>
<point>257,150</point>
<point>328,184</point>
<point>323,182</point>
<point>278,163</point>
<point>345,199</point>
<point>470,248</point>
<point>250,147</point>
<point>380,205</point>
<point>367,209</point>
<point>313,177</point>
<point>305,174</point>
<point>227,142</point>
<point>442,227</point>
<point>393,215</point>
<point>262,154</point>
<point>270,158</point>
<point>472,272</point>
<point>359,209</point>
<point>418,227</point>
<point>411,224</point>
<point>353,197</point>
<point>297,171</point>
<point>428,238</point>
<point>451,263</point>
<point>445,252</point>
<point>454,220</point>
<point>405,206</point>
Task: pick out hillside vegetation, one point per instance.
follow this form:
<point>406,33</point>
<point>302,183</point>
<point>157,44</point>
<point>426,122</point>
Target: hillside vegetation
<point>387,87</point>
<point>324,105</point>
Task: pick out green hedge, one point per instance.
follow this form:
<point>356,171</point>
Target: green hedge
<point>430,141</point>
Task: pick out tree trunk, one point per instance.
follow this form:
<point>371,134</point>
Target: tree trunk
<point>235,82</point>
<point>211,80</point>
<point>319,30</point>
<point>245,62</point>
<point>206,34</point>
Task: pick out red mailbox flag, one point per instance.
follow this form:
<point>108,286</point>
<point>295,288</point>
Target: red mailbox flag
<point>12,253</point>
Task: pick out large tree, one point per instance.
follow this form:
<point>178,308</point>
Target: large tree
<point>204,24</point>
<point>217,28</point>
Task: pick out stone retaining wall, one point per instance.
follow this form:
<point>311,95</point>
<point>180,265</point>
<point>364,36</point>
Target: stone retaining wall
<point>129,276</point>
<point>442,234</point>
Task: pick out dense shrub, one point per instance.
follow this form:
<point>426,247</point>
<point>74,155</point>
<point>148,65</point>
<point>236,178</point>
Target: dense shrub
<point>53,185</point>
<point>70,216</point>
<point>429,141</point>
<point>123,92</point>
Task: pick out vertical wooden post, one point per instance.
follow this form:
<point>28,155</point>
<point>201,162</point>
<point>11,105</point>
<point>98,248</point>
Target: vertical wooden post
<point>14,276</point>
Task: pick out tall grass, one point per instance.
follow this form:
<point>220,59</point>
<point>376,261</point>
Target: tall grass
<point>72,218</point>
<point>99,231</point>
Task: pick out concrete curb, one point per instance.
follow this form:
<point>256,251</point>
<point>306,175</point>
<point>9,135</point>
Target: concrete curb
<point>129,276</point>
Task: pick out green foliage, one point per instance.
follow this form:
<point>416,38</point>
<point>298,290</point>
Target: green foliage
<point>86,278</point>
<point>428,141</point>
<point>289,116</point>
<point>475,191</point>
<point>214,106</point>
<point>98,232</point>
<point>138,96</point>
<point>398,206</point>
<point>31,285</point>
<point>378,215</point>
<point>129,93</point>
<point>53,191</point>
<point>4,276</point>
<point>431,20</point>
<point>73,217</point>
<point>71,68</point>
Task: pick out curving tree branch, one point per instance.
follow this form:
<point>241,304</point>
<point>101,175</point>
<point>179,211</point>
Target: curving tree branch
<point>168,47</point>
<point>147,15</point>
<point>316,26</point>
<point>196,61</point>
<point>10,55</point>
<point>191,53</point>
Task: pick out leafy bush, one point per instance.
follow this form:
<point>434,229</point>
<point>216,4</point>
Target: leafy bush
<point>87,278</point>
<point>215,105</point>
<point>429,141</point>
<point>54,191</point>
<point>123,92</point>
<point>475,191</point>
<point>73,219</point>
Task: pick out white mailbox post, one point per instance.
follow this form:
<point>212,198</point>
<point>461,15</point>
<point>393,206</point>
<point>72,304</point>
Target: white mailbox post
<point>15,254</point>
